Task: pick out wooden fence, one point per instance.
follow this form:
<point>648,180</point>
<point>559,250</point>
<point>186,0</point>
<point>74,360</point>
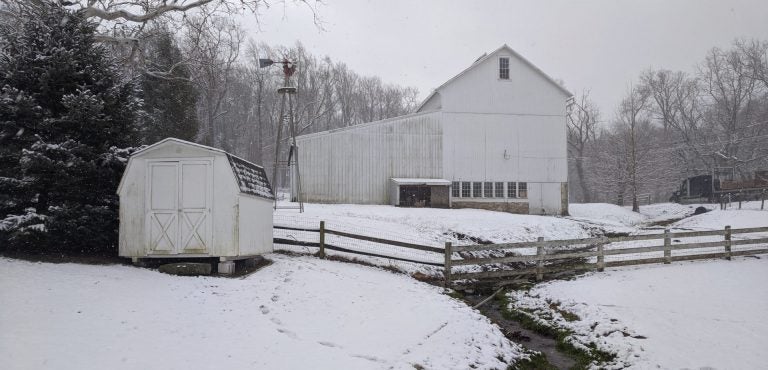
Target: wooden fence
<point>323,245</point>
<point>550,255</point>
<point>543,261</point>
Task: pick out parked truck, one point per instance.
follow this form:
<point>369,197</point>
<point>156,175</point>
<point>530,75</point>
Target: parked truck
<point>715,187</point>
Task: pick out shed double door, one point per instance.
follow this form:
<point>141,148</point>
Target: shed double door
<point>179,207</point>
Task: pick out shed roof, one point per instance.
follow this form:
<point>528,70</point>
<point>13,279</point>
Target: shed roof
<point>251,178</point>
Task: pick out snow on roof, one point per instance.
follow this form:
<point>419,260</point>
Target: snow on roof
<point>406,181</point>
<point>251,178</point>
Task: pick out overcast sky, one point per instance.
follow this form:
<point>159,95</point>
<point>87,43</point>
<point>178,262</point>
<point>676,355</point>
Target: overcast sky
<point>600,45</point>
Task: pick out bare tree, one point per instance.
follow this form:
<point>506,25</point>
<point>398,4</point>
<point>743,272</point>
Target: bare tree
<point>213,46</point>
<point>582,118</point>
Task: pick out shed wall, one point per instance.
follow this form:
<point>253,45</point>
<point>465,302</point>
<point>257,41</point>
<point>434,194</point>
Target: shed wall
<point>255,228</point>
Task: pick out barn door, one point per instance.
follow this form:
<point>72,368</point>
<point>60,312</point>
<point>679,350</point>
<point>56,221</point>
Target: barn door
<point>179,207</point>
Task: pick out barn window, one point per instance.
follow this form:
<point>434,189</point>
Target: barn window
<point>522,189</point>
<point>487,190</point>
<point>477,189</point>
<point>511,190</point>
<point>465,189</point>
<point>499,190</point>
<point>504,68</point>
<point>455,189</point>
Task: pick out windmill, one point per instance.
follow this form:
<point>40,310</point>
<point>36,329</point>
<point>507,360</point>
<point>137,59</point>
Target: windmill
<point>286,119</point>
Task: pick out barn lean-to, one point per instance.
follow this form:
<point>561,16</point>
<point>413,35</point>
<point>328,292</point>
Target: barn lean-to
<point>495,135</point>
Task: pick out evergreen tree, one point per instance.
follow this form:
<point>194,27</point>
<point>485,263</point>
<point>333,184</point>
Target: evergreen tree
<point>170,98</point>
<point>65,111</point>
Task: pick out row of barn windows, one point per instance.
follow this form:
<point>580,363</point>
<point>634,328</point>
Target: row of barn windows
<point>489,189</point>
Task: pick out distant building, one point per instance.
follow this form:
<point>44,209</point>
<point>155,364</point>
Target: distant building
<point>492,137</point>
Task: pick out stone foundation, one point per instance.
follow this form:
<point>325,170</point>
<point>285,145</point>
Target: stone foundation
<point>511,207</point>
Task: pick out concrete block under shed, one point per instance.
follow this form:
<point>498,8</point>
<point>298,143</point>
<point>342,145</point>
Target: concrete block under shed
<point>226,267</point>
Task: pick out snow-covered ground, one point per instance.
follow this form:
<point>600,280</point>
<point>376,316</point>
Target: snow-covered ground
<point>298,313</point>
<point>303,312</point>
<point>696,315</point>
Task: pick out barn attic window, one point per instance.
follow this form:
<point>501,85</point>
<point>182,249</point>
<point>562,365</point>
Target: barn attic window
<point>504,68</point>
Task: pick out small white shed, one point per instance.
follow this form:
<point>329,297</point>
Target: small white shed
<point>181,199</point>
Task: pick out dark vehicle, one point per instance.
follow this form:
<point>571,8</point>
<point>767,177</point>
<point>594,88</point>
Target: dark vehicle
<point>708,189</point>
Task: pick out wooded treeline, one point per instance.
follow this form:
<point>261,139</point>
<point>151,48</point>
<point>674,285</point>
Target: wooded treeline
<point>214,69</point>
<point>671,125</point>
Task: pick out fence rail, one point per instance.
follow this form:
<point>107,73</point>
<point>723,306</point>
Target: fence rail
<point>323,245</point>
<point>597,249</point>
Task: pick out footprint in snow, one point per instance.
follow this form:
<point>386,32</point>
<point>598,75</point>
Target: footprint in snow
<point>370,358</point>
<point>264,309</point>
<point>276,321</point>
<point>329,344</point>
<point>275,298</point>
<point>289,333</point>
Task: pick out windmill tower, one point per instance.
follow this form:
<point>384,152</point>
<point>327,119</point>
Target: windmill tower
<point>286,122</point>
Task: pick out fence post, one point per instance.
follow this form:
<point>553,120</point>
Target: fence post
<point>322,239</point>
<point>728,242</point>
<point>600,257</point>
<point>540,261</point>
<point>762,201</point>
<point>667,247</point>
<point>447,265</point>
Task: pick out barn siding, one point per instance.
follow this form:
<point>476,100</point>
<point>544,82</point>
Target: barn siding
<point>354,165</point>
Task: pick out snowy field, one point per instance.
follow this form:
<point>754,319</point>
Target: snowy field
<point>298,313</point>
<point>302,312</point>
<point>693,315</point>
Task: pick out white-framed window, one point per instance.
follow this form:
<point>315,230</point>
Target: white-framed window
<point>498,190</point>
<point>466,188</point>
<point>511,190</point>
<point>522,190</point>
<point>477,189</point>
<point>504,68</point>
<point>487,190</point>
<point>455,189</point>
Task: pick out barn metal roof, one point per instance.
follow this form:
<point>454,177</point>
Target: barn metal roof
<point>251,178</point>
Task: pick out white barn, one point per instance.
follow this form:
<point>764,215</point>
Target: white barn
<point>181,199</point>
<point>492,137</point>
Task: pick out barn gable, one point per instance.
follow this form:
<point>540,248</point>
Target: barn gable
<point>480,80</point>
